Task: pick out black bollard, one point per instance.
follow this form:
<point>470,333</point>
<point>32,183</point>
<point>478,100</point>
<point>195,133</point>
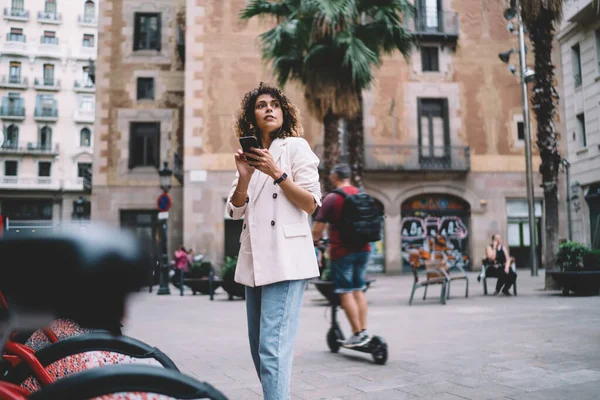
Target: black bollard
<point>181,281</point>
<point>211,278</point>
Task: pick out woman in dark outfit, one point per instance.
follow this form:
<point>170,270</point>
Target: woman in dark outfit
<point>497,256</point>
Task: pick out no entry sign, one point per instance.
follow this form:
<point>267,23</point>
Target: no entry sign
<point>164,202</point>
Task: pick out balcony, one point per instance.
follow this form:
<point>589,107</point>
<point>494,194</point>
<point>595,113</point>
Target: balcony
<point>49,17</point>
<point>29,183</point>
<point>15,45</point>
<point>579,11</point>
<point>46,114</point>
<point>84,116</point>
<point>434,25</point>
<point>73,185</point>
<point>49,48</point>
<point>83,86</point>
<point>86,53</point>
<point>12,112</point>
<point>414,158</point>
<point>88,20</point>
<point>16,14</point>
<point>29,149</point>
<point>47,85</point>
<point>13,82</point>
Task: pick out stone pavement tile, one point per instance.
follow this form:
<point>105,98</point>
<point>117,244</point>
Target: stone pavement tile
<point>515,364</point>
<point>431,378</point>
<point>523,373</point>
<point>319,381</point>
<point>442,396</point>
<point>532,385</point>
<point>241,394</point>
<point>328,392</point>
<point>565,366</point>
<point>569,392</point>
<point>580,376</point>
<point>487,391</point>
<point>382,395</point>
<point>381,384</point>
<point>387,373</point>
<point>430,389</point>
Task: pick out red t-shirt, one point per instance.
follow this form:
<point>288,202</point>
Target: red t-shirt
<point>331,212</point>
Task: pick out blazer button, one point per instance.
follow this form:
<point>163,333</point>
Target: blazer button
<point>272,223</point>
<point>247,200</point>
<point>274,195</point>
<point>244,226</point>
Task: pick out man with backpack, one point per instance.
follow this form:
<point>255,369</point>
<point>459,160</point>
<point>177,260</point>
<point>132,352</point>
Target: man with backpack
<point>353,221</point>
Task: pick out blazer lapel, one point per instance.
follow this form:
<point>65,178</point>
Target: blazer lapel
<point>276,150</point>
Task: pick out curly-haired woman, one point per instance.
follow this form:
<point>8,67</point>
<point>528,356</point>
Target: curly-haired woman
<point>275,191</point>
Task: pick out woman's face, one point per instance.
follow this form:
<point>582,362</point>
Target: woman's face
<point>268,113</point>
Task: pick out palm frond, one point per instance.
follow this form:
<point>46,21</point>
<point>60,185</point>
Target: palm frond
<point>531,9</point>
<point>359,59</point>
<point>265,8</point>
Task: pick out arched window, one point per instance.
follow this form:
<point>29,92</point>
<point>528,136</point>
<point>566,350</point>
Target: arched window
<point>50,6</point>
<point>89,11</point>
<point>12,137</point>
<point>85,138</point>
<point>45,138</point>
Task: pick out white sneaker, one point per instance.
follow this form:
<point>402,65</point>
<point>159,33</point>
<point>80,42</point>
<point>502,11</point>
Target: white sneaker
<point>355,341</point>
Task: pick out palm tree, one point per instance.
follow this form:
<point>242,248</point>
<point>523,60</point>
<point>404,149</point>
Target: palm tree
<point>330,47</point>
<point>541,18</point>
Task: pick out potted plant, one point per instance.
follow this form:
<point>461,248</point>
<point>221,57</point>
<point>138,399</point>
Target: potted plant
<point>232,288</point>
<point>198,278</point>
<point>579,269</point>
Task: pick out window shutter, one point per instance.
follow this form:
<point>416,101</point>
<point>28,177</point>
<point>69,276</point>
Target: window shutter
<point>136,31</point>
<point>131,144</point>
<point>158,31</point>
<point>157,147</point>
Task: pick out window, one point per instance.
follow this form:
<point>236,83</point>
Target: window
<point>81,168</point>
<point>581,130</point>
<point>598,48</point>
<point>146,34</point>
<point>13,104</point>
<point>88,40</point>
<point>16,35</point>
<point>85,137</point>
<point>44,168</point>
<point>45,138</point>
<point>46,106</point>
<point>89,11</point>
<point>145,88</point>
<point>48,75</point>
<point>11,168</point>
<point>576,64</point>
<point>144,144</point>
<point>17,4</point>
<point>86,103</point>
<point>430,59</point>
<point>428,12</point>
<point>50,7</point>
<point>521,130</point>
<point>14,75</point>
<point>434,129</point>
<point>87,81</point>
<point>12,137</point>
<point>49,38</point>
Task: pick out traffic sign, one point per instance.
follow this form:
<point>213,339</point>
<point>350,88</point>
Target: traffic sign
<point>164,202</point>
<point>163,215</point>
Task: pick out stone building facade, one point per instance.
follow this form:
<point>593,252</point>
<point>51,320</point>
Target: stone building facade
<point>579,39</point>
<point>139,125</point>
<point>444,148</point>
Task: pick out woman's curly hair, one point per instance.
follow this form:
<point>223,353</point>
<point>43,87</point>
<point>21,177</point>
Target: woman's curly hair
<point>245,124</point>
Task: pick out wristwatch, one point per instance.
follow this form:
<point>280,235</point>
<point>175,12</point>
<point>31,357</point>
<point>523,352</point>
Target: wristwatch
<point>278,181</point>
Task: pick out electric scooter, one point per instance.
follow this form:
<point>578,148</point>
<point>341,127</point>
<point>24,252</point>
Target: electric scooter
<point>377,346</point>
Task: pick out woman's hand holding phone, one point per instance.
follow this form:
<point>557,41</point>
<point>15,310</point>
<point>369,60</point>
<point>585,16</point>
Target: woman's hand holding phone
<point>244,169</point>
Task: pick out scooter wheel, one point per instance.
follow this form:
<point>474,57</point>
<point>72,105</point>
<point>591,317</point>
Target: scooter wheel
<point>332,340</point>
<point>379,351</point>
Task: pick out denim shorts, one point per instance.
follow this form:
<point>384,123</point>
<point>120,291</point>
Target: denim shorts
<point>349,273</point>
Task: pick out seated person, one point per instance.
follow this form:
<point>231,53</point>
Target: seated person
<point>499,265</point>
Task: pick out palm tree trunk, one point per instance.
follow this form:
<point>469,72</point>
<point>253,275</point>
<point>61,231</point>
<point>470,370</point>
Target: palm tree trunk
<point>355,132</point>
<point>331,150</point>
<point>545,101</point>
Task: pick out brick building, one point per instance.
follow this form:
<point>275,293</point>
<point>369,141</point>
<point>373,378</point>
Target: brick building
<point>443,133</point>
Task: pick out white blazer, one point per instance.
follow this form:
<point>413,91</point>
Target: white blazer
<point>276,241</point>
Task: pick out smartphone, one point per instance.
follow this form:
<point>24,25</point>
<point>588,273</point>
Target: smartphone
<point>247,142</point>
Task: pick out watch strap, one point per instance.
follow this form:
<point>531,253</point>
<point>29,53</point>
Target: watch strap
<point>281,179</point>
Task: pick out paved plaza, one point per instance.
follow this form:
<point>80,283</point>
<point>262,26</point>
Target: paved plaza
<point>539,345</point>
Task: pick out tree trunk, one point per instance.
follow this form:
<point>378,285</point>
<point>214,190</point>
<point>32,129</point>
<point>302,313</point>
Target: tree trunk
<point>355,132</point>
<point>545,100</point>
<point>331,151</point>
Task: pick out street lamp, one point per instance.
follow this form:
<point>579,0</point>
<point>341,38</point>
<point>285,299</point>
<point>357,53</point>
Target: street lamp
<point>526,75</point>
<point>567,165</point>
<point>165,175</point>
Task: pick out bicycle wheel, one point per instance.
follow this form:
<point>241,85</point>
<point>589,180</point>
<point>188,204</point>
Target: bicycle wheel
<point>121,379</point>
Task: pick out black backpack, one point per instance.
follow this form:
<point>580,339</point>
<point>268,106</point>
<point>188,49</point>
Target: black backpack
<point>360,221</point>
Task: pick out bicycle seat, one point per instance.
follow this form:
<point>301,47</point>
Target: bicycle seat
<point>84,275</point>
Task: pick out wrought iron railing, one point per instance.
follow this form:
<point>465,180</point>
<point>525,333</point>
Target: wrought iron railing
<point>49,16</point>
<point>48,39</point>
<point>12,110</point>
<point>29,148</point>
<point>16,12</point>
<point>47,82</point>
<point>87,19</point>
<point>46,112</point>
<point>431,21</point>
<point>413,158</point>
<point>14,80</point>
<point>13,37</point>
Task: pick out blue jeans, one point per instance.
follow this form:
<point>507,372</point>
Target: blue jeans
<point>349,273</point>
<point>273,313</point>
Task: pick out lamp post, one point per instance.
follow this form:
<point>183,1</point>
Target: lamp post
<point>567,165</point>
<point>165,175</point>
<point>526,76</point>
